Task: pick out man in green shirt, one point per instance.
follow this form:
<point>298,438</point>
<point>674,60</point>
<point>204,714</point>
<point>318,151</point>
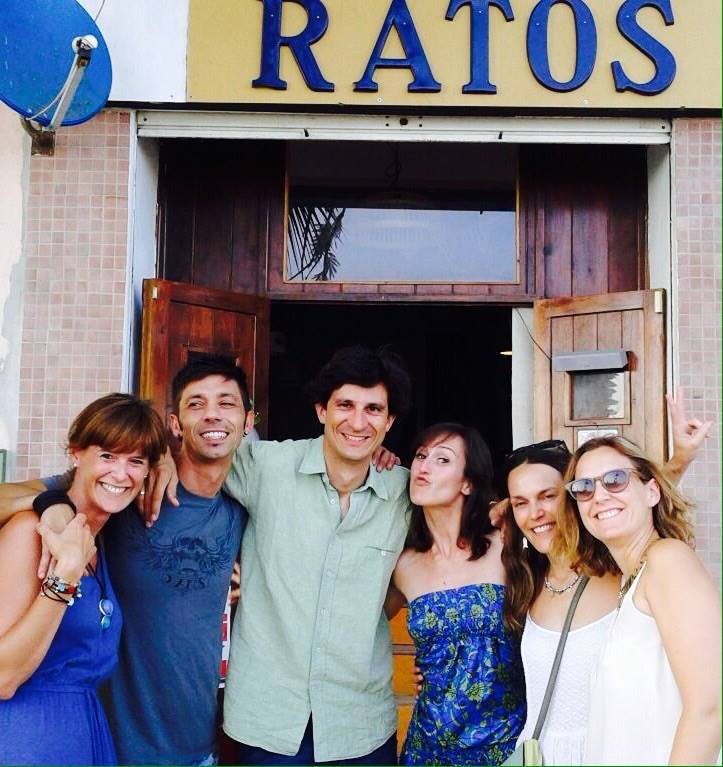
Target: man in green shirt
<point>310,671</point>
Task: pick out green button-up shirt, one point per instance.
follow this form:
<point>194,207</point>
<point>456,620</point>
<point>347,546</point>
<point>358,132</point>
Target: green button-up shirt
<point>310,636</point>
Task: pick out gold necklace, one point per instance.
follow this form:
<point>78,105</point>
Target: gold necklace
<point>628,582</point>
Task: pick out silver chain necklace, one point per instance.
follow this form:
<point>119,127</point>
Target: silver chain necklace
<point>561,589</point>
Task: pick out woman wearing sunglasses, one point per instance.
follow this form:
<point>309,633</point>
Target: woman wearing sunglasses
<point>657,686</point>
<point>59,636</point>
<point>471,706</point>
<point>541,583</point>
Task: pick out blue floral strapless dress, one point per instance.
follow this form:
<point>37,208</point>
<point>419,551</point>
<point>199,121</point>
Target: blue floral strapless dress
<point>472,705</point>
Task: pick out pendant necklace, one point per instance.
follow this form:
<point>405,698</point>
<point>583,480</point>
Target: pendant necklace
<point>561,589</point>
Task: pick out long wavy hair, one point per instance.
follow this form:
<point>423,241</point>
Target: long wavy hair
<point>475,527</point>
<point>671,515</point>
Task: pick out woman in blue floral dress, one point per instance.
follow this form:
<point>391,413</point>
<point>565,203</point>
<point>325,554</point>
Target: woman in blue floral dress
<point>472,704</point>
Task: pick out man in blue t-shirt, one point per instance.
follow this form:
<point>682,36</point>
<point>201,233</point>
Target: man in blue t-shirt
<point>172,579</point>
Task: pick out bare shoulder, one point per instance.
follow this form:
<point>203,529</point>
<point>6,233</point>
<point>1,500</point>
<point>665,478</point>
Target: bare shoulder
<point>20,542</point>
<point>407,560</point>
<point>671,552</point>
<point>672,563</point>
<point>20,526</point>
<point>407,570</point>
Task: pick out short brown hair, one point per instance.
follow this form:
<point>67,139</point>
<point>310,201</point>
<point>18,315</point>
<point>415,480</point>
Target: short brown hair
<point>671,515</point>
<point>120,423</point>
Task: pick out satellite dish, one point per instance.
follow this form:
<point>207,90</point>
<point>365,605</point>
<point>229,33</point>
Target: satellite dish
<point>54,64</point>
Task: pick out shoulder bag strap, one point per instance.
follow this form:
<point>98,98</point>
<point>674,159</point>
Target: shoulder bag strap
<point>558,657</point>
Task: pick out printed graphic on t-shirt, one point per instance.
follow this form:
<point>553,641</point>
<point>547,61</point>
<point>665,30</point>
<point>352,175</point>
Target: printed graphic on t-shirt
<point>185,562</point>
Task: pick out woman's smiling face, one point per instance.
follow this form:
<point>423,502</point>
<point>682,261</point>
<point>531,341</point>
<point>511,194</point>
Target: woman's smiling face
<point>106,481</point>
<point>535,492</point>
<point>611,516</point>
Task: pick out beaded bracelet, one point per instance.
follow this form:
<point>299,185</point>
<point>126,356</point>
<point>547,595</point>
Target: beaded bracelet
<point>59,586</point>
<point>54,596</point>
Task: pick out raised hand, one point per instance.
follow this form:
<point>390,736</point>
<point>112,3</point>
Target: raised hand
<point>56,519</point>
<point>688,434</point>
<point>162,480</point>
<point>71,549</point>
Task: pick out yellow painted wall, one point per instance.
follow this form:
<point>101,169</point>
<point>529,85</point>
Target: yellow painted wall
<point>224,45</point>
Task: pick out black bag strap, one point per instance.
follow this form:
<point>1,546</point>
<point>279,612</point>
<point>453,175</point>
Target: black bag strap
<point>558,656</point>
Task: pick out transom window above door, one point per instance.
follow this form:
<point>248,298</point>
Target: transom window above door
<point>373,212</point>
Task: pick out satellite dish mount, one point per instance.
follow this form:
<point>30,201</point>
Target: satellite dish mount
<point>44,135</point>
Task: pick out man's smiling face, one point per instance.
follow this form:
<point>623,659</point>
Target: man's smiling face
<point>211,418</point>
<point>356,420</point>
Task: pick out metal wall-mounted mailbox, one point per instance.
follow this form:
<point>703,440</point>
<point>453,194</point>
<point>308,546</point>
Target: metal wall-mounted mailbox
<point>611,359</point>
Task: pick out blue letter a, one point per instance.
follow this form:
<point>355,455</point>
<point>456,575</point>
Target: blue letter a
<point>400,18</point>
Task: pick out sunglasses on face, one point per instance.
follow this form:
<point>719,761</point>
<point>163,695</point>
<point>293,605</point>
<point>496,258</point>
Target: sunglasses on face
<point>614,481</point>
<point>549,444</point>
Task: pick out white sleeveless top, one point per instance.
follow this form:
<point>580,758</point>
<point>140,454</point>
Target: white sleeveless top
<point>562,740</point>
<point>636,704</point>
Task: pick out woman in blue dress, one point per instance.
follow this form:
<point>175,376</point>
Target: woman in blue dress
<point>471,707</point>
<point>59,636</point>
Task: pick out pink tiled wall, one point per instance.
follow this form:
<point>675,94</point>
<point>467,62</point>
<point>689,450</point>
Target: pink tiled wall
<point>697,232</point>
<point>76,252</point>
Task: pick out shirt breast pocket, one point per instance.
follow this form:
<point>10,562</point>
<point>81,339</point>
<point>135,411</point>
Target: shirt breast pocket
<point>375,564</point>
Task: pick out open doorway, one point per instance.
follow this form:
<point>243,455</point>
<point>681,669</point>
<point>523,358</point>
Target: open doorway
<point>453,354</point>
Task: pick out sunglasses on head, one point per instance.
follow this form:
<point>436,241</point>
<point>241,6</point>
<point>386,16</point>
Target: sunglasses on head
<point>548,444</point>
<point>614,481</point>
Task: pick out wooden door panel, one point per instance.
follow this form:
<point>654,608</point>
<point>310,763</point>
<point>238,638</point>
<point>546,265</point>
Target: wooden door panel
<point>403,683</point>
<point>398,626</point>
<point>180,321</point>
<point>403,717</point>
<point>632,321</point>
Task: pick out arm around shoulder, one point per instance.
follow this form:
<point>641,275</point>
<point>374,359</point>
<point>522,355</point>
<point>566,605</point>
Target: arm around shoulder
<point>685,604</point>
<point>242,472</point>
<point>18,496</point>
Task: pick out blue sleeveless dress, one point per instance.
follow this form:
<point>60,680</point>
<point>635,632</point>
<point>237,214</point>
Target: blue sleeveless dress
<point>472,705</point>
<point>55,717</point>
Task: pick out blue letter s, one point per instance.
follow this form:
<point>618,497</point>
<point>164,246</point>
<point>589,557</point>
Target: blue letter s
<point>660,56</point>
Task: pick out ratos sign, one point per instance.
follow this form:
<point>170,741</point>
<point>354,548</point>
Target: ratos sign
<point>558,53</point>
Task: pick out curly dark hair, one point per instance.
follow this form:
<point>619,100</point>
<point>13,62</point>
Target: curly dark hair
<point>363,366</point>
